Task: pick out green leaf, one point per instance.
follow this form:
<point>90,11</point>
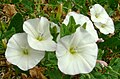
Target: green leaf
<point>52,58</point>
<point>29,5</point>
<point>84,25</point>
<point>71,22</point>
<point>70,28</point>
<point>0,35</point>
<point>17,23</point>
<point>54,33</point>
<point>113,61</point>
<point>54,74</point>
<point>9,33</point>
<point>3,26</point>
<point>82,77</point>
<point>117,25</point>
<point>63,30</point>
<point>72,25</point>
<point>59,12</point>
<point>100,54</point>
<point>113,71</point>
<point>15,1</point>
<point>113,3</point>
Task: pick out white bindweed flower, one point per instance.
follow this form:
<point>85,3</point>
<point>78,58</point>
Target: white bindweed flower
<point>107,27</point>
<point>39,36</point>
<point>81,19</point>
<point>98,14</point>
<point>77,53</point>
<point>101,19</point>
<point>19,53</point>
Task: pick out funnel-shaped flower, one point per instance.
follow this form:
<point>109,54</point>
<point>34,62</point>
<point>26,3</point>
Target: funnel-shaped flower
<point>77,53</point>
<point>39,36</point>
<point>81,19</point>
<point>98,14</point>
<point>19,53</point>
<point>107,27</point>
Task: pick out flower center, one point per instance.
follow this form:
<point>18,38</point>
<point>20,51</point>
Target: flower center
<point>40,37</point>
<point>103,25</point>
<point>96,15</point>
<point>25,51</point>
<point>72,50</point>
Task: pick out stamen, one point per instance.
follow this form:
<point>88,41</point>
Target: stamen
<point>25,51</point>
<point>40,37</point>
<point>96,15</point>
<point>72,50</point>
<point>103,25</point>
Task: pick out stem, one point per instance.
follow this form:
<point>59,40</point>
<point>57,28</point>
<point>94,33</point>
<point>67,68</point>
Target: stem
<point>109,67</point>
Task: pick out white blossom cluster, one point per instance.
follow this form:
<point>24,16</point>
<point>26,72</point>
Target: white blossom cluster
<point>76,53</point>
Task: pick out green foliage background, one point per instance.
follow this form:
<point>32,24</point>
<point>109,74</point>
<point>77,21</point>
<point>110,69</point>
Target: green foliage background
<point>109,50</point>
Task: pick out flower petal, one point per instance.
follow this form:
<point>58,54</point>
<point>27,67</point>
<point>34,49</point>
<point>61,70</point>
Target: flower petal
<point>44,45</point>
<point>31,60</point>
<point>31,26</point>
<point>16,43</point>
<point>44,26</point>
<point>13,55</point>
<point>62,45</point>
<point>107,28</point>
<point>83,35</point>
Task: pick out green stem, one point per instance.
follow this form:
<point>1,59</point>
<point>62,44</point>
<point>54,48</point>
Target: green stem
<point>109,67</point>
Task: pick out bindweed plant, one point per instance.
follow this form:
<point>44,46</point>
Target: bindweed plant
<point>68,39</point>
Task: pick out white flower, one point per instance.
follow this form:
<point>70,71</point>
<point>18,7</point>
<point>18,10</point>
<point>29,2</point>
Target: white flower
<point>98,14</point>
<point>77,53</point>
<point>81,19</point>
<point>39,36</point>
<point>107,27</point>
<point>101,19</point>
<point>19,53</point>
